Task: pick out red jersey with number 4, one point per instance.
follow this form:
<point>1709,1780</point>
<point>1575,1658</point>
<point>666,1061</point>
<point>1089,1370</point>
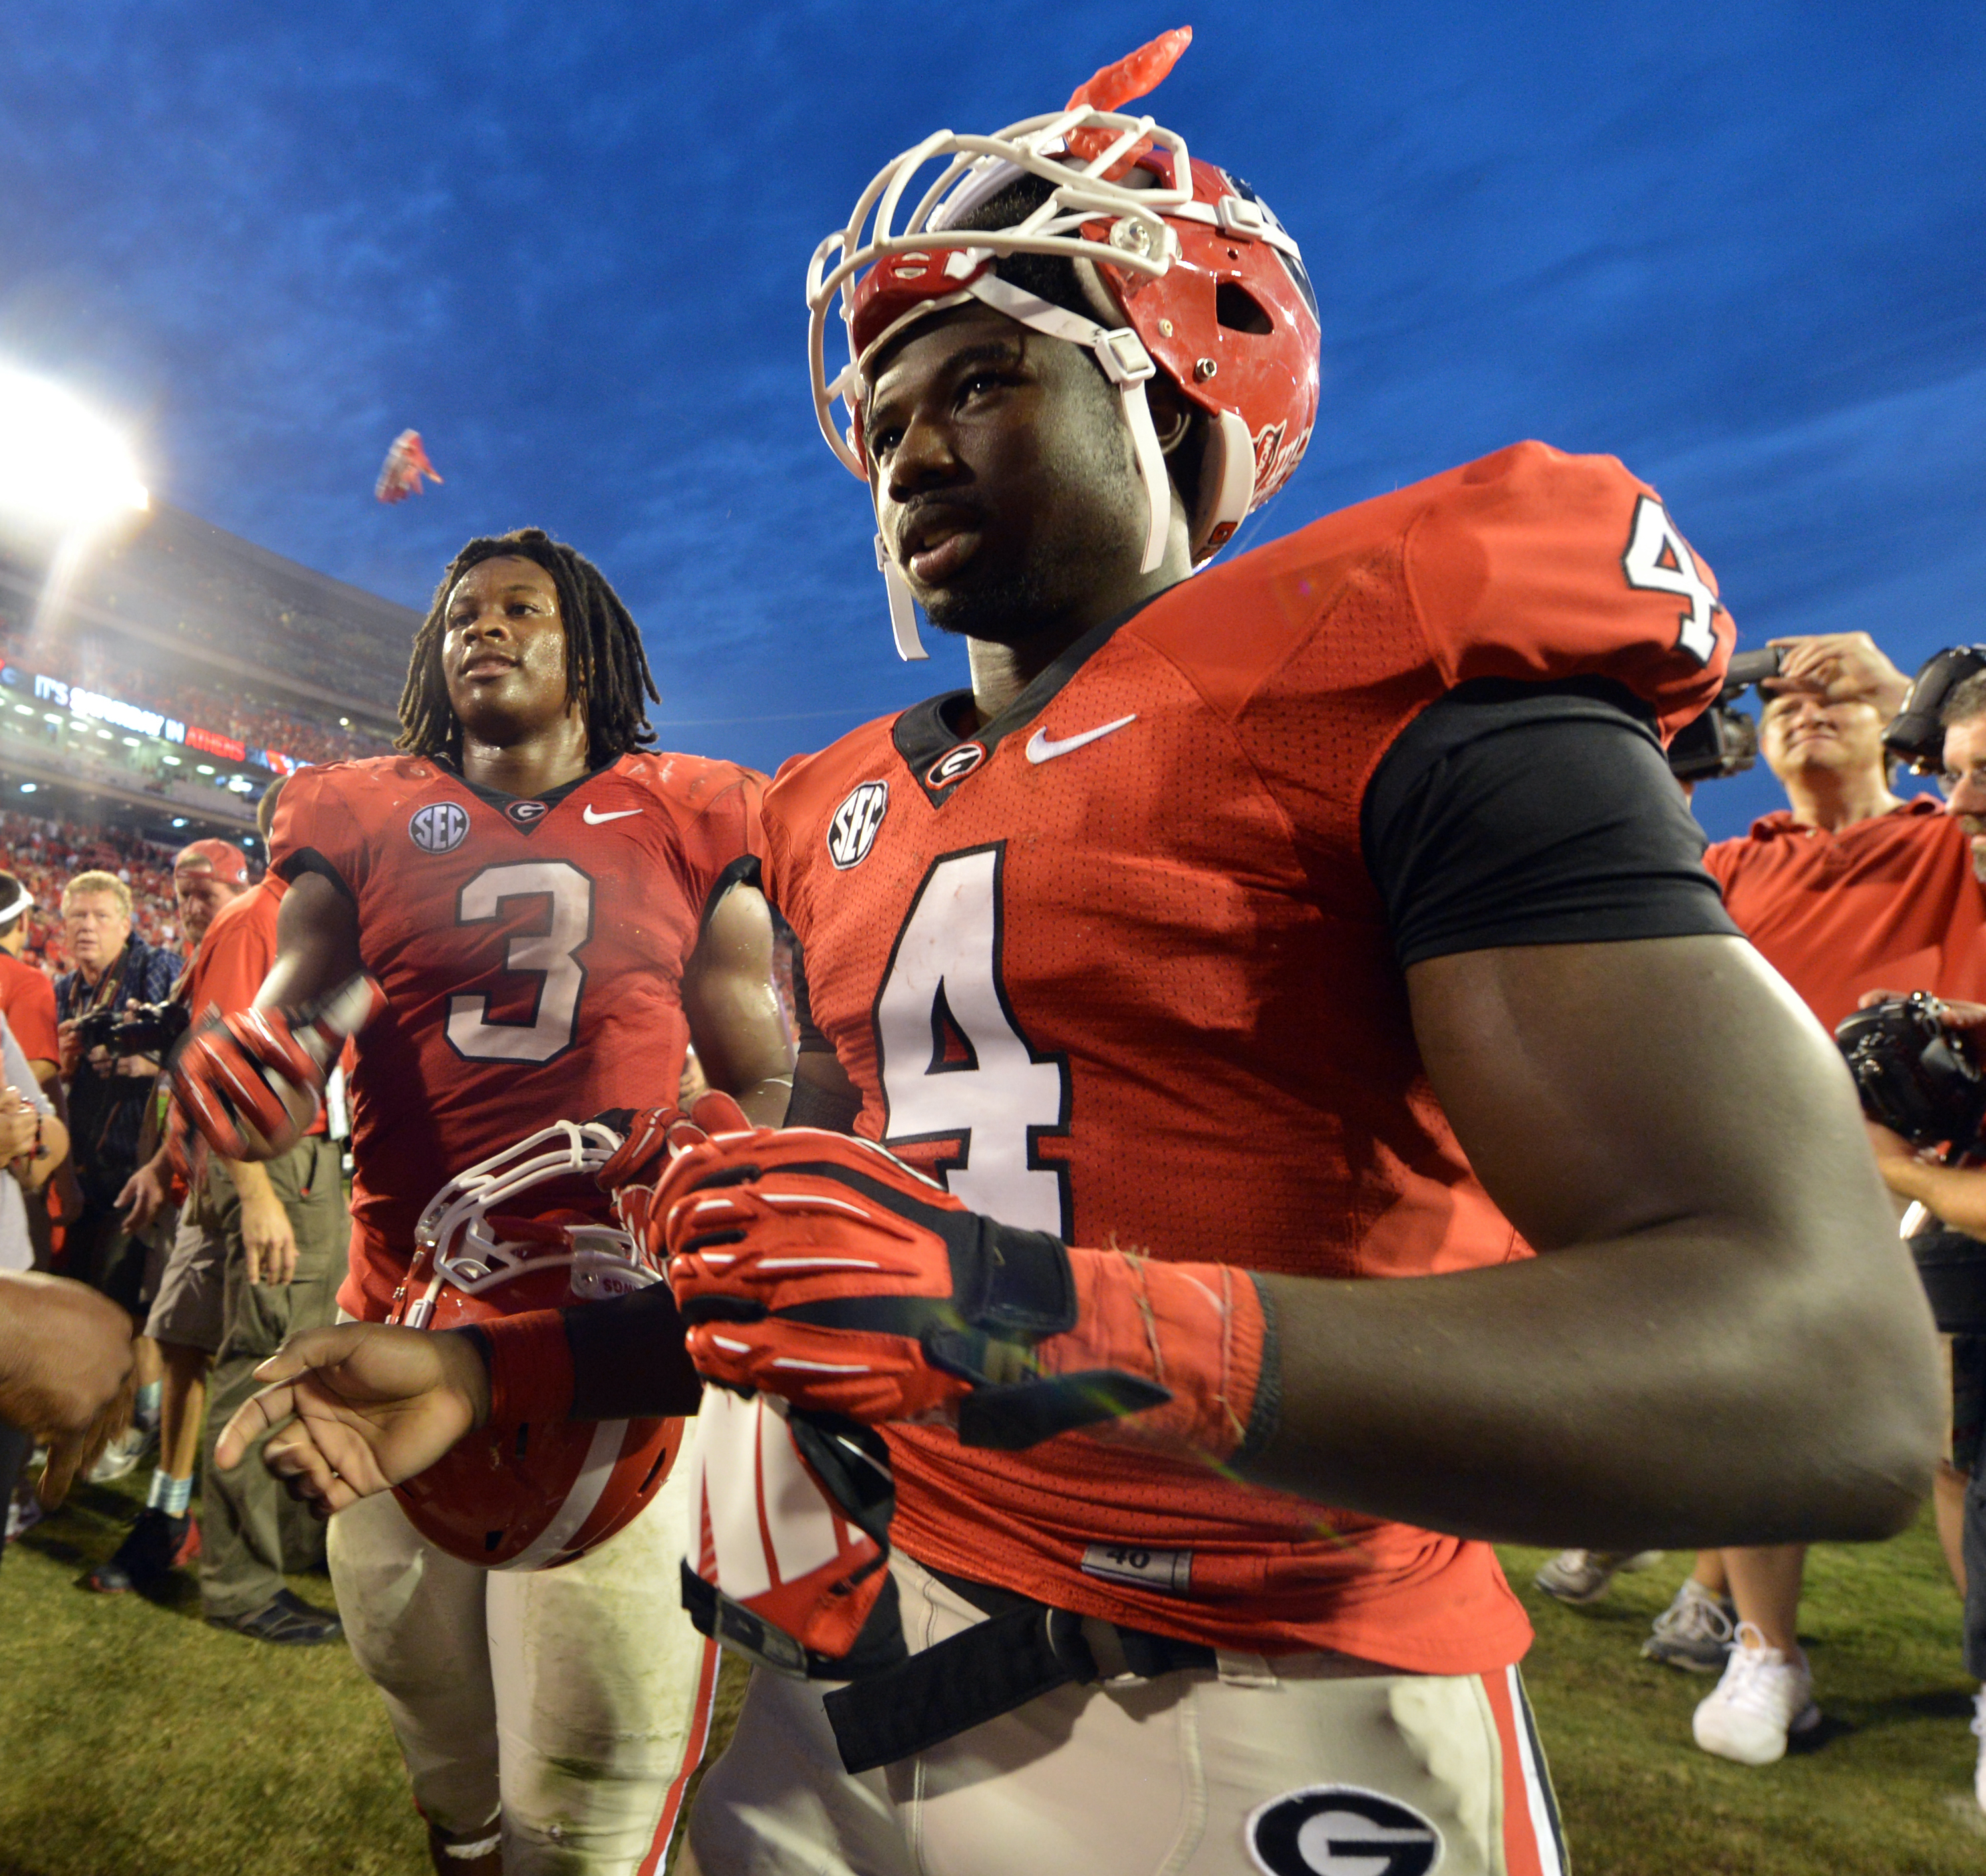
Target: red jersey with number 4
<point>531,950</point>
<point>1114,967</point>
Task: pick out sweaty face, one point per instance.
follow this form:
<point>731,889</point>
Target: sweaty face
<point>1005,484</point>
<point>502,651</point>
<point>201,893</point>
<point>96,928</point>
<point>1965,783</point>
<point>1799,733</point>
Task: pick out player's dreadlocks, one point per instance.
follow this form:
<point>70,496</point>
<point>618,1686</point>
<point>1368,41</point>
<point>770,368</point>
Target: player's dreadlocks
<point>606,665</point>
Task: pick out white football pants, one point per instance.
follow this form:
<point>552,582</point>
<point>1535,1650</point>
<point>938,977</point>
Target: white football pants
<point>564,1709</point>
<point>1305,1765</point>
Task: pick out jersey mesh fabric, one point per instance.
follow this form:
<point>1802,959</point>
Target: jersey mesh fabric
<point>1170,1001</point>
<point>531,960</point>
<point>28,1002</point>
<point>1890,903</point>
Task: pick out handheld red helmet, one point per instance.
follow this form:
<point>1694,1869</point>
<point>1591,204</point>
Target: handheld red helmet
<point>1187,270</point>
<point>532,1495</point>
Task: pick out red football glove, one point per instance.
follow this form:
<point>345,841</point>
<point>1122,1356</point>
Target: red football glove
<point>251,1082</point>
<point>818,1267</point>
<point>650,1138</point>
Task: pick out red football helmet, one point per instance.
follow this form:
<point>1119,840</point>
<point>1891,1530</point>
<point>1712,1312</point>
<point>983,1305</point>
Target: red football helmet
<point>1187,271</point>
<point>532,1496</point>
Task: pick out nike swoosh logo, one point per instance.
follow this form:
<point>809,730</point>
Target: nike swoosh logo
<point>594,820</point>
<point>1040,748</point>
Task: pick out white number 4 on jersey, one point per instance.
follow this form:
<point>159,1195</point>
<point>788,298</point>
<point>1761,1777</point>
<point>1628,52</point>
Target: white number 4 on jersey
<point>955,1064</point>
<point>1658,561</point>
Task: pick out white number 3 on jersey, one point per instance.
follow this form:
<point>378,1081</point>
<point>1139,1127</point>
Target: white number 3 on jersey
<point>954,1064</point>
<point>1658,561</point>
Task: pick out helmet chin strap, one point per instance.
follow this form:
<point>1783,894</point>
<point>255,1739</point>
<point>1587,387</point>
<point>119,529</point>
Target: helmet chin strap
<point>1128,365</point>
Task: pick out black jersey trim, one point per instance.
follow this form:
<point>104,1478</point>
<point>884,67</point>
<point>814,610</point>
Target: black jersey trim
<point>292,867</point>
<point>503,803</point>
<point>1508,814</point>
<point>743,871</point>
<point>924,732</point>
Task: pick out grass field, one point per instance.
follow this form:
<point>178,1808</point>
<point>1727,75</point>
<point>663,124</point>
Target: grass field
<point>136,1741</point>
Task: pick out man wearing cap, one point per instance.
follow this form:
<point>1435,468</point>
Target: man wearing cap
<point>273,1245</point>
<point>184,1318</point>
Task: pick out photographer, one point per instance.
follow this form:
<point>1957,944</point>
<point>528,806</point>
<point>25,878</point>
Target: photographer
<point>1953,1195</point>
<point>109,1093</point>
<point>1848,887</point>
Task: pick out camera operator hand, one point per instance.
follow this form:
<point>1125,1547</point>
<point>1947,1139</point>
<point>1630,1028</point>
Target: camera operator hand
<point>1843,667</point>
<point>1955,1193</point>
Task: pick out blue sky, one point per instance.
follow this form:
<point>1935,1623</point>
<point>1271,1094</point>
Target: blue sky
<point>1740,247</point>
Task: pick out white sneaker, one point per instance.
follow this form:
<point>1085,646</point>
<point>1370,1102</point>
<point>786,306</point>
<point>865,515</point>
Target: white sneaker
<point>1762,1699</point>
<point>1979,1729</point>
<point>122,1455</point>
<point>1693,1632</point>
<point>1582,1576</point>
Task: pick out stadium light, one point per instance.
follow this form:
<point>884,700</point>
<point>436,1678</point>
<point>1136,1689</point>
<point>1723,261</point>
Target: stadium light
<point>179,821</point>
<point>60,462</point>
<point>27,788</point>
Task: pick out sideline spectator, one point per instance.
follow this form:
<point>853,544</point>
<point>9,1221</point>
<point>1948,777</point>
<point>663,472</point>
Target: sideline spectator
<point>184,1324</point>
<point>1848,889</point>
<point>284,1232</point>
<point>28,1002</point>
<point>32,1141</point>
<point>107,1098</point>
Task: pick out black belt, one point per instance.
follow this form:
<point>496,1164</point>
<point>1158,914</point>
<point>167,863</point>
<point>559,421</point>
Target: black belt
<point>1022,1650</point>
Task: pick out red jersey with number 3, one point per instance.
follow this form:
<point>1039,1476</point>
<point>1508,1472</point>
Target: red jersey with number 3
<point>1113,967</point>
<point>531,950</point>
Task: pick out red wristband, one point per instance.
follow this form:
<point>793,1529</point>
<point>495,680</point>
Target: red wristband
<point>530,1367</point>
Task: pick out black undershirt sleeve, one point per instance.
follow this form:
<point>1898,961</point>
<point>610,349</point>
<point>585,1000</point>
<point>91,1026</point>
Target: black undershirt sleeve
<point>1510,813</point>
<point>628,1362</point>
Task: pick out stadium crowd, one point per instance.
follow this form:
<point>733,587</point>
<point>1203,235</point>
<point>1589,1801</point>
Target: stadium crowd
<point>88,660</point>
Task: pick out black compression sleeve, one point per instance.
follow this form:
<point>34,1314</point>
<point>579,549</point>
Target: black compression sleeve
<point>628,1362</point>
<point>1511,814</point>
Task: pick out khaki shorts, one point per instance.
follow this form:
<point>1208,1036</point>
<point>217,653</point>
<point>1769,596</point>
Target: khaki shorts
<point>187,1309</point>
<point>1290,1767</point>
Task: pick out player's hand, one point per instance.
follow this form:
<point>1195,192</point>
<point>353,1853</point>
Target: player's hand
<point>1842,667</point>
<point>818,1267</point>
<point>65,1371</point>
<point>19,1123</point>
<point>268,1239</point>
<point>250,1081</point>
<point>143,1196</point>
<point>359,1408</point>
<point>651,1139</point>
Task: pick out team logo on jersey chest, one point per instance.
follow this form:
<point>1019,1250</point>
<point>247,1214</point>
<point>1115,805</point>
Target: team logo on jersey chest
<point>954,765</point>
<point>440,827</point>
<point>1341,1830</point>
<point>852,832</point>
<point>524,813</point>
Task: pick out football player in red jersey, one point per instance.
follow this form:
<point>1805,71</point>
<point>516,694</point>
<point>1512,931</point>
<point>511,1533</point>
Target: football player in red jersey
<point>546,904</point>
<point>1233,942</point>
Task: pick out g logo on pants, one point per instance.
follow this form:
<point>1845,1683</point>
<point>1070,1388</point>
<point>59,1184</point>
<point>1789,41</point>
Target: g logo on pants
<point>1341,1830</point>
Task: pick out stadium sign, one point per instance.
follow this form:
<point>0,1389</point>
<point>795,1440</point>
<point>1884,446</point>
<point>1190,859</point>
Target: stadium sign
<point>88,703</point>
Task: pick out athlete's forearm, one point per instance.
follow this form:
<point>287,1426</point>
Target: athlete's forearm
<point>1955,1193</point>
<point>1634,1393</point>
